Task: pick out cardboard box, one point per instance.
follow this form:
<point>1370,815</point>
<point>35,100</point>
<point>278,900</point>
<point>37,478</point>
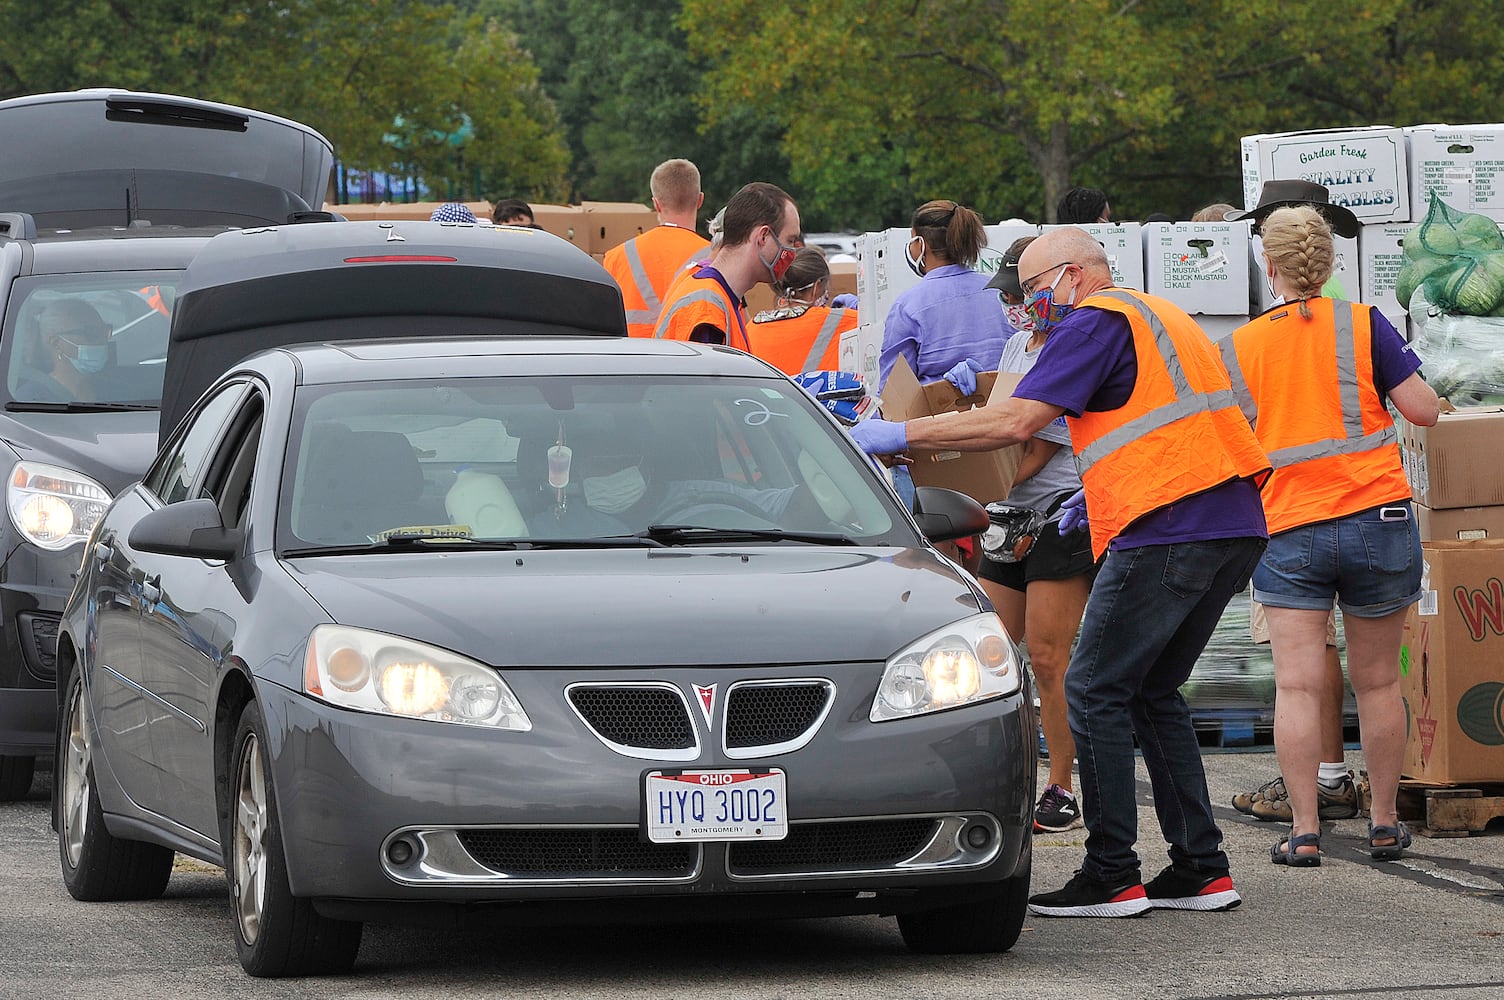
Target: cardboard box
<point>609,224</point>
<point>1345,271</point>
<point>861,347</point>
<point>411,211</point>
<point>1203,267</point>
<point>984,476</point>
<point>1365,168</point>
<point>1463,164</point>
<point>1381,254</point>
<point>1450,675</point>
<point>1456,463</point>
<point>1124,244</point>
<point>1459,524</point>
<point>564,221</point>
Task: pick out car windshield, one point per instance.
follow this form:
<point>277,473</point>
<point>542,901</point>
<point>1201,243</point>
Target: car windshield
<point>90,340</point>
<point>549,460</point>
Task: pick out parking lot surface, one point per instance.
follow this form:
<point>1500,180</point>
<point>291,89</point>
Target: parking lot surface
<point>1429,925</point>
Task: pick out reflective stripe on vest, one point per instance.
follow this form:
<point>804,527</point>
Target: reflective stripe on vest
<point>1188,401</point>
<point>711,295</point>
<point>822,340</point>
<point>644,286</point>
<point>1348,392</point>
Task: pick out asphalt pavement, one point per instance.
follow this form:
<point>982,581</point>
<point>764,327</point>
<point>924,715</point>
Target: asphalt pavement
<point>1430,925</point>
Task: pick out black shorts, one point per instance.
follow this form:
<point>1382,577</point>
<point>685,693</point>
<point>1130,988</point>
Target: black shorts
<point>1051,558</point>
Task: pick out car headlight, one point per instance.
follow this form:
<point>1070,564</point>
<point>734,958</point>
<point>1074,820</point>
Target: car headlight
<point>970,661</point>
<point>53,507</point>
<point>386,674</point>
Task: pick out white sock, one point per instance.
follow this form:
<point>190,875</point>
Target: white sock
<point>1332,775</point>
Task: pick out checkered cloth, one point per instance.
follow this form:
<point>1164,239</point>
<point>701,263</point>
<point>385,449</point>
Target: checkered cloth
<point>452,211</point>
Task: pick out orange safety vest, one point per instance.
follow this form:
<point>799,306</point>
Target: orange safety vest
<point>646,266</point>
<point>153,296</point>
<point>801,342</point>
<point>1306,386</point>
<point>1180,433</point>
<point>695,301</point>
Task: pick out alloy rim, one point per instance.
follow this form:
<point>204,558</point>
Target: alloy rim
<point>249,850</point>
<point>76,790</point>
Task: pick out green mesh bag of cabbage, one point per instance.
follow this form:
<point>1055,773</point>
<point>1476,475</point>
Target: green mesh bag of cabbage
<point>1458,258</point>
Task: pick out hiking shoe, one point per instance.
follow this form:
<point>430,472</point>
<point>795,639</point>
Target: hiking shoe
<point>1084,896</point>
<point>1243,801</point>
<point>1058,810</point>
<point>1178,889</point>
<point>1272,802</point>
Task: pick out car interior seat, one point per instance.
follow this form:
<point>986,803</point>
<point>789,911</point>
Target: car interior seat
<point>358,483</point>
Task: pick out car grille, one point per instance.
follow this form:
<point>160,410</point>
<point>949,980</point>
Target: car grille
<point>573,852</point>
<point>766,715</point>
<point>643,717</point>
<point>846,846</point>
<point>39,642</point>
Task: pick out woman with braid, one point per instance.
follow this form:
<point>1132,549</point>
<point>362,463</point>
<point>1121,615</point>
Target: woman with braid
<point>1312,376</point>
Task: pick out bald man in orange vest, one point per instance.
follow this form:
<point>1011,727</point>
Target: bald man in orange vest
<point>644,267</point>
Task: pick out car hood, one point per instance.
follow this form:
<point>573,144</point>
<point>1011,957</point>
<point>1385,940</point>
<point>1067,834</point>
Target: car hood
<point>641,607</point>
<point>112,448</point>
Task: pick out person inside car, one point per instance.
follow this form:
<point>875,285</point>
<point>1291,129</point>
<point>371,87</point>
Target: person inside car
<point>71,348</point>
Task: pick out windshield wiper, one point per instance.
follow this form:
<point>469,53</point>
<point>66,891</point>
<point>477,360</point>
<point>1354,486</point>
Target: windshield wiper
<point>21,406</point>
<point>437,543</point>
<point>686,534</point>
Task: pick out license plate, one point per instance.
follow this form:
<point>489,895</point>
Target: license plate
<point>732,804</point>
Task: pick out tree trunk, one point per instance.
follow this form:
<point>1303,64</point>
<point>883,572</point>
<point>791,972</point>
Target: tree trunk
<point>1055,170</point>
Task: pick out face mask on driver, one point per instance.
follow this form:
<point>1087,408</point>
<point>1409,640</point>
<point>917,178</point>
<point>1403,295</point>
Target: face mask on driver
<point>616,492</point>
<point>90,358</point>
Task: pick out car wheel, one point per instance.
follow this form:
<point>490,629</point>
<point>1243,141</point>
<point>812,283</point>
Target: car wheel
<point>984,925</point>
<point>96,865</point>
<point>276,933</point>
<point>15,777</point>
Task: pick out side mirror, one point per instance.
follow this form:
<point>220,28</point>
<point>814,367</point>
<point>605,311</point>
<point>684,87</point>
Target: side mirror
<point>945,515</point>
<point>189,528</point>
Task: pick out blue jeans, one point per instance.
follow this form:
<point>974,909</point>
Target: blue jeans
<point>1370,561</point>
<point>1151,612</point>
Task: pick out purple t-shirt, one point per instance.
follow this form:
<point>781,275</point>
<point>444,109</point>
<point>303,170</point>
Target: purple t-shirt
<point>948,317</point>
<point>1089,363</point>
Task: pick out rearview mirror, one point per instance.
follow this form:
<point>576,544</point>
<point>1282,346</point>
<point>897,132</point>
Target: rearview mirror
<point>189,528</point>
<point>945,515</point>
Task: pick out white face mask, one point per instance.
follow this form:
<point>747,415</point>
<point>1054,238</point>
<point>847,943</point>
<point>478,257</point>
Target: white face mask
<point>916,264</point>
<point>1018,315</point>
<point>1269,280</point>
<point>615,493</point>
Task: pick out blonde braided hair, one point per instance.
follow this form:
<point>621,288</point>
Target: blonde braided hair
<point>1298,242</point>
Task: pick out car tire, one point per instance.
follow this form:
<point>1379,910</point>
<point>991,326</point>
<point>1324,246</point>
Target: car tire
<point>97,866</point>
<point>276,933</point>
<point>984,925</point>
<point>15,777</point>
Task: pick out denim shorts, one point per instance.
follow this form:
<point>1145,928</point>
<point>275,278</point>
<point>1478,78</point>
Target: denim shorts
<point>1369,561</point>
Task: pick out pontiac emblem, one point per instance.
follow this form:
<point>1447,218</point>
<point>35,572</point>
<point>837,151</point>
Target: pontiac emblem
<point>706,695</point>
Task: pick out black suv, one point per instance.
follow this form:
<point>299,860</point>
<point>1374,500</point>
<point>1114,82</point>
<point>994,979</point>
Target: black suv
<point>100,212</point>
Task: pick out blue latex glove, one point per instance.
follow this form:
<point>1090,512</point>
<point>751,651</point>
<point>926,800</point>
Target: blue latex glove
<point>1073,513</point>
<point>845,300</point>
<point>877,436</point>
<point>964,376</point>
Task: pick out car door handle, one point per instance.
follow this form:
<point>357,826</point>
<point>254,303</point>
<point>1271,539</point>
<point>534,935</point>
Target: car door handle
<point>103,552</point>
<point>151,590</point>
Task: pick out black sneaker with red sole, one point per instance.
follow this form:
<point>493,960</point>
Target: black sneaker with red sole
<point>1179,889</point>
<point>1084,896</point>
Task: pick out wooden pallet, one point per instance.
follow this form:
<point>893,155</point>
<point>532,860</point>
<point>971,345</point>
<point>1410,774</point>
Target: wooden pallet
<point>1450,810</point>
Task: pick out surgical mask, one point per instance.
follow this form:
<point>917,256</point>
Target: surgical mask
<point>1044,310</point>
<point>90,358</point>
<point>1269,280</point>
<point>916,264</point>
<point>616,492</point>
<point>781,260</point>
<point>1018,315</point>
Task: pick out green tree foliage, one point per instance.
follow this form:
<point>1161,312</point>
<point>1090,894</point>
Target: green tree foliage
<point>1004,104</point>
<point>350,68</point>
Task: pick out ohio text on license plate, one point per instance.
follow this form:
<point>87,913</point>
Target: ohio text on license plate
<point>732,804</point>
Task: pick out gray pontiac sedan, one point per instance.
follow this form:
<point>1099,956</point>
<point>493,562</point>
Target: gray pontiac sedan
<point>529,628</point>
